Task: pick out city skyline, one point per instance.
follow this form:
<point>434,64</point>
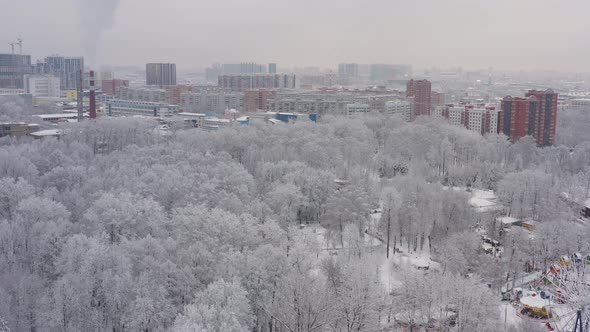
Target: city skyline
<point>196,34</point>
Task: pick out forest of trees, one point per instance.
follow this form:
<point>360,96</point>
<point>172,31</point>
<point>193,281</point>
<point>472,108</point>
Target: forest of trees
<point>114,227</point>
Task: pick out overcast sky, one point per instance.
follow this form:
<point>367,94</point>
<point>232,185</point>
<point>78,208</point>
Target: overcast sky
<point>505,34</point>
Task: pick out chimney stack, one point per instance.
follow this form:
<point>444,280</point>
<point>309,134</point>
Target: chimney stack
<point>92,109</point>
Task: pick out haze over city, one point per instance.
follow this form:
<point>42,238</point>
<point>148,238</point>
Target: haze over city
<point>504,34</point>
<point>294,166</point>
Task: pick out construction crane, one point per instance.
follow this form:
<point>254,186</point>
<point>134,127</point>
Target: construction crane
<point>18,42</point>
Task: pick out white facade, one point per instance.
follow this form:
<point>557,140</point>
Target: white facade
<point>42,85</point>
<point>438,112</point>
<point>475,119</point>
<point>493,121</point>
<point>456,115</point>
<point>143,108</point>
<point>400,107</point>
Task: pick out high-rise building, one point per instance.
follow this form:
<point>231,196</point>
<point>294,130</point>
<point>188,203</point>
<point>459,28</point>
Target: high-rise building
<point>242,68</point>
<point>256,100</point>
<point>66,68</point>
<point>348,73</point>
<point>380,73</point>
<point>110,87</point>
<point>160,74</point>
<point>535,115</point>
<point>517,117</point>
<point>421,91</point>
<point>545,116</point>
<point>174,92</point>
<point>437,99</point>
<point>262,81</point>
<point>13,67</point>
<point>73,66</point>
<point>272,68</point>
<point>42,85</point>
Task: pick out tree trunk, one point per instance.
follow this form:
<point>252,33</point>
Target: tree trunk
<point>388,229</point>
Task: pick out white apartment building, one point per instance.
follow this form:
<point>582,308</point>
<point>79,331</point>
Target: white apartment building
<point>206,101</point>
<point>42,85</point>
<point>456,115</point>
<point>402,108</point>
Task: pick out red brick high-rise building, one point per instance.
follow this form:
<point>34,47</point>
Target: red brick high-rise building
<point>255,100</point>
<point>421,91</point>
<point>534,115</point>
<point>545,117</point>
<point>437,98</point>
<point>514,117</point>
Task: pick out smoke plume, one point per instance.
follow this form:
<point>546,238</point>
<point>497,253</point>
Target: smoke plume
<point>95,17</point>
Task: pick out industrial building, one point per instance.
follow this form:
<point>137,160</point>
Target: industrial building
<point>118,107</point>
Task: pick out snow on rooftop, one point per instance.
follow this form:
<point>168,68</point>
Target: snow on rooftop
<point>48,132</point>
<point>57,115</point>
<point>480,202</point>
<point>507,220</point>
<point>191,114</point>
<point>485,194</point>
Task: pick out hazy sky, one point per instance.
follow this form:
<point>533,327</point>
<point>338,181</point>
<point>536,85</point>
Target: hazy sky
<point>505,34</point>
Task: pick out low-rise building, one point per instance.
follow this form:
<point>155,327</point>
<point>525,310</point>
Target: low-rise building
<point>42,85</point>
<point>402,108</point>
<point>59,117</point>
<point>357,108</point>
<point>480,118</point>
<point>17,129</point>
<point>118,107</point>
<point>206,101</point>
<point>144,94</point>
